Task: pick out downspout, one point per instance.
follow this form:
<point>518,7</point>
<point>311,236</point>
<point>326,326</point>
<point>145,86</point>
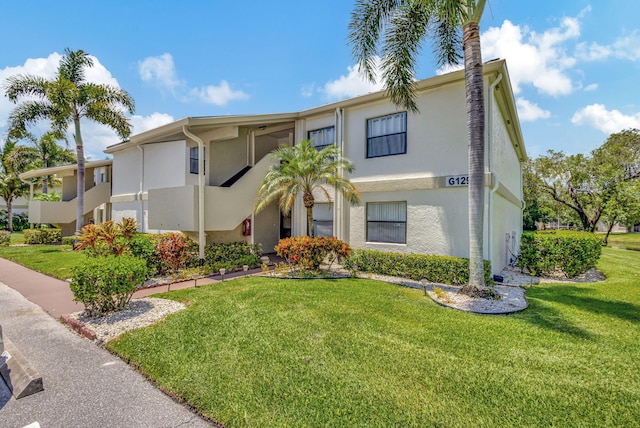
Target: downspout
<point>494,176</point>
<point>201,236</point>
<point>337,213</point>
<point>141,191</point>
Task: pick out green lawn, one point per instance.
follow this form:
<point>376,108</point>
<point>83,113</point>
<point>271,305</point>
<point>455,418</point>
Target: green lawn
<point>267,352</point>
<point>629,241</point>
<point>17,238</point>
<point>52,260</point>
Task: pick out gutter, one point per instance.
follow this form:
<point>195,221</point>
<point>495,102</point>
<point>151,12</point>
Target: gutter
<point>201,235</point>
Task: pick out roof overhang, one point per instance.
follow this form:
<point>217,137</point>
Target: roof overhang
<point>173,131</point>
<point>35,173</point>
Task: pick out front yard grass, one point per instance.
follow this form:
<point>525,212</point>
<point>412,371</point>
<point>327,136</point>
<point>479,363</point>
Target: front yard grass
<point>628,241</point>
<point>355,352</point>
<point>52,260</point>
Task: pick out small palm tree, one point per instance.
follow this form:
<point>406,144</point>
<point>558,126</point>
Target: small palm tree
<point>44,153</point>
<point>11,187</point>
<point>65,100</point>
<point>302,169</point>
<point>401,26</point>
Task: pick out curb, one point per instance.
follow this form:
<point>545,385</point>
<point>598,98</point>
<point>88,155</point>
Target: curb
<point>78,326</point>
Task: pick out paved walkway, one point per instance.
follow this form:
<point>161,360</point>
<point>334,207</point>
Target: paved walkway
<point>85,386</point>
<point>55,297</point>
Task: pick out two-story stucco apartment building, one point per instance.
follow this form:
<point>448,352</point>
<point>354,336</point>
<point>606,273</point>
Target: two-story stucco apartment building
<point>411,171</point>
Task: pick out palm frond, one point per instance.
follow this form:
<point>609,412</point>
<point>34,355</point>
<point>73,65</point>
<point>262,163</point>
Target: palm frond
<point>25,85</point>
<point>365,27</point>
<point>73,64</point>
<point>27,113</point>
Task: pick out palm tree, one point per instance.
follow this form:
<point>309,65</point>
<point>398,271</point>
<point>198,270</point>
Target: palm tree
<point>11,187</point>
<point>66,99</point>
<point>302,169</point>
<point>401,26</point>
<point>44,153</point>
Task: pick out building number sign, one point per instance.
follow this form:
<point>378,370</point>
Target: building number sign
<point>457,180</point>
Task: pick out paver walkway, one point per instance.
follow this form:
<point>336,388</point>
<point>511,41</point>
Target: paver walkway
<point>54,295</point>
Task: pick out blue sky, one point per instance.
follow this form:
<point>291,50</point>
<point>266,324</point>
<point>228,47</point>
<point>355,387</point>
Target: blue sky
<point>574,64</point>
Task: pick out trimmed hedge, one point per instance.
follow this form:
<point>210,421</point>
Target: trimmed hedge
<point>68,240</point>
<point>231,256</point>
<point>440,269</point>
<point>5,238</point>
<point>572,253</point>
<point>42,236</point>
<point>106,284</point>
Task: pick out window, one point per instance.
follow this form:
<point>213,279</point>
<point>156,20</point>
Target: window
<point>322,220</point>
<point>387,135</point>
<point>387,222</point>
<point>193,159</point>
<point>322,138</point>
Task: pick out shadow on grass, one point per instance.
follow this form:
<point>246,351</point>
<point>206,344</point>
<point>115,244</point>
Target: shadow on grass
<point>541,314</point>
<point>578,297</point>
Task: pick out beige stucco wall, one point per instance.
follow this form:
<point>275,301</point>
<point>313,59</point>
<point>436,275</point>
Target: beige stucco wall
<point>436,222</point>
<point>164,164</point>
<point>226,158</point>
<point>266,227</point>
<point>436,139</point>
<point>126,171</point>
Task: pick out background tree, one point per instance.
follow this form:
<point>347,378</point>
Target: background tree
<point>44,153</point>
<point>590,185</point>
<point>623,208</point>
<point>302,169</point>
<point>65,100</point>
<point>401,26</point>
<point>11,187</point>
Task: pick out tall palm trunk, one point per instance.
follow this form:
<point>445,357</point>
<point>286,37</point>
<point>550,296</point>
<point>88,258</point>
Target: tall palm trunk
<point>475,116</point>
<point>45,185</point>
<point>309,201</point>
<point>80,175</point>
<point>9,215</point>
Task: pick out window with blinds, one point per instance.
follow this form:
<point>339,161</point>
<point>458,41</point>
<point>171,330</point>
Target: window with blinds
<point>322,138</point>
<point>193,160</point>
<point>387,222</point>
<point>387,135</point>
<point>322,220</point>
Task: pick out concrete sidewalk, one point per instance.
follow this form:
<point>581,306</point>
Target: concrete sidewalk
<point>85,386</point>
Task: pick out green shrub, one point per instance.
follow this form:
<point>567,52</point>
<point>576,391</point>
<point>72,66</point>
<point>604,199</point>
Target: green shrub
<point>68,240</point>
<point>5,238</point>
<point>572,253</point>
<point>440,269</point>
<point>106,284</point>
<point>108,238</point>
<point>231,256</point>
<point>144,246</point>
<point>42,236</point>
<point>173,252</point>
<point>308,253</point>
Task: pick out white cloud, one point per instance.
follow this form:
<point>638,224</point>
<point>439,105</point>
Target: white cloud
<point>160,70</point>
<point>307,91</point>
<point>607,121</point>
<point>591,87</point>
<point>535,59</point>
<point>628,47</point>
<point>352,84</point>
<point>530,112</point>
<point>144,123</point>
<point>218,95</point>
<point>96,137</point>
